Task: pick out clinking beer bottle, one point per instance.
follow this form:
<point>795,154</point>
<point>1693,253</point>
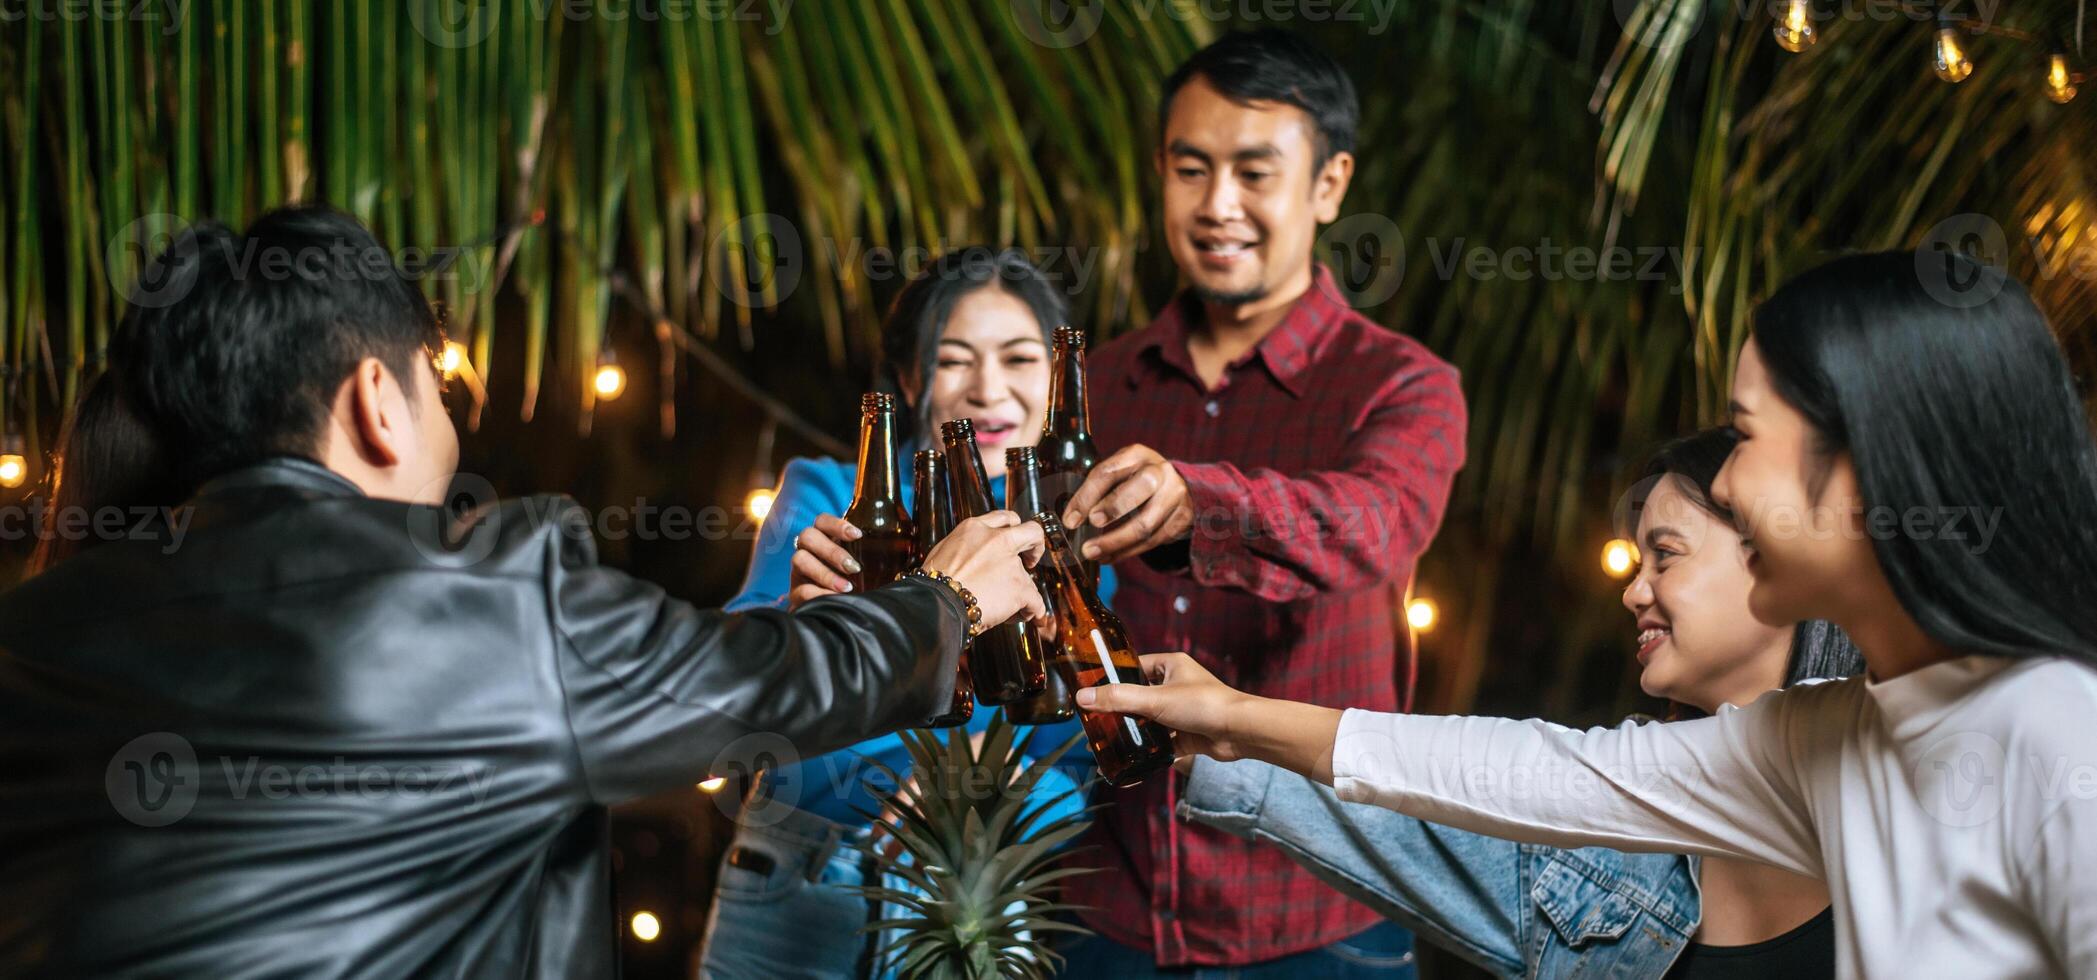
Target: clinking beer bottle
<point>1005,666</point>
<point>887,545</point>
<point>1023,497</point>
<point>1066,450</point>
<point>1093,649</point>
<point>934,511</point>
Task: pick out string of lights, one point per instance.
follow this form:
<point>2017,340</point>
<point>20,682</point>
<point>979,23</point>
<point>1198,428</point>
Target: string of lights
<point>1951,59</point>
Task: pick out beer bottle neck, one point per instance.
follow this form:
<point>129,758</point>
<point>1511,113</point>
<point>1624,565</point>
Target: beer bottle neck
<point>877,458</point>
<point>1067,411</point>
<point>971,485</point>
<point>1023,490</point>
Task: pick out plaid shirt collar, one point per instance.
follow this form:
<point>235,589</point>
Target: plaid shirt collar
<point>1286,349</point>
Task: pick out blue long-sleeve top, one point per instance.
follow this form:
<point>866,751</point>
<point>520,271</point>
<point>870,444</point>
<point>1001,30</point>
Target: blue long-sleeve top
<point>832,785</point>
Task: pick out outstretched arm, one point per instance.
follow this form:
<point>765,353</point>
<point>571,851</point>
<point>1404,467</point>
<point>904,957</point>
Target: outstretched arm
<point>1725,785</point>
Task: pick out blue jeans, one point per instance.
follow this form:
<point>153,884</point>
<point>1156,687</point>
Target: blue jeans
<point>782,909</point>
<point>1382,951</point>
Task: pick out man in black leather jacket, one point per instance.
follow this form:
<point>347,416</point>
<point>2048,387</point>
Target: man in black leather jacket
<point>333,734</point>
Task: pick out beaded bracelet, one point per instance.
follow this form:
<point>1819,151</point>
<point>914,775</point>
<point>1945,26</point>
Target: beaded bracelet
<point>975,611</point>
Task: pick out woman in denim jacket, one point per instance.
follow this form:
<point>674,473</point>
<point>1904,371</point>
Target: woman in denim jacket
<point>1523,910</point>
<point>968,338</point>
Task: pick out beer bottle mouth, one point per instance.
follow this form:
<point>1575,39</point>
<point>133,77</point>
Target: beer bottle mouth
<point>1069,337</point>
<point>958,429</point>
<point>877,401</point>
<point>1050,524</point>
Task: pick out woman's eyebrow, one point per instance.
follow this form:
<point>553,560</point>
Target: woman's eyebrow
<point>1024,340</point>
<point>1653,535</point>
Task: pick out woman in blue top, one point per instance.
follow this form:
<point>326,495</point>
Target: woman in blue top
<point>967,339</point>
<point>1523,910</point>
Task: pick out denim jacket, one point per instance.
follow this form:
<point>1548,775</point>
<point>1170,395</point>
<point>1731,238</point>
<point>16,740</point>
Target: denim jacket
<point>1518,910</point>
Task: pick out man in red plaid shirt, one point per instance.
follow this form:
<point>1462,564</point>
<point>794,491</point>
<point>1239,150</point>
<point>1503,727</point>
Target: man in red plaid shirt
<point>1281,463</point>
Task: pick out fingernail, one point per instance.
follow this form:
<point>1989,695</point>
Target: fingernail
<point>852,531</point>
<point>843,586</point>
<point>851,565</point>
<point>1091,550</point>
<point>1084,697</point>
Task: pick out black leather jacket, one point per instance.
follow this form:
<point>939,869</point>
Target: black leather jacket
<point>316,740</point>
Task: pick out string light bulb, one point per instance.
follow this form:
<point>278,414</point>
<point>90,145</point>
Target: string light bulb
<point>610,380</point>
<point>646,927</point>
<point>2060,83</point>
<point>453,356</point>
<point>1952,64</point>
<point>712,784</point>
<point>14,465</point>
<point>1794,30</point>
<point>1619,558</point>
<point>1421,614</point>
<point>759,503</point>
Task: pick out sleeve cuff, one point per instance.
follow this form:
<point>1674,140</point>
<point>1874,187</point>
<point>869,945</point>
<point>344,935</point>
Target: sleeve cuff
<point>1226,795</point>
<point>1216,550</point>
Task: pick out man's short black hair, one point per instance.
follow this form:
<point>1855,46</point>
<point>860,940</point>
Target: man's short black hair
<point>1274,65</point>
<point>234,345</point>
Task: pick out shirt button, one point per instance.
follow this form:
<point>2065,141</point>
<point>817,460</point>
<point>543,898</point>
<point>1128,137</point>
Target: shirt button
<point>1179,604</point>
<point>1213,408</point>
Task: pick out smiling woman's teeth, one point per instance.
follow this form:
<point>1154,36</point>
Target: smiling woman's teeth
<point>1650,635</point>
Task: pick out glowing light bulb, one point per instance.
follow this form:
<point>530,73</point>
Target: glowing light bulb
<point>1794,28</point>
<point>712,784</point>
<point>1619,557</point>
<point>453,356</point>
<point>1421,614</point>
<point>1952,63</point>
<point>759,504</point>
<point>2060,84</point>
<point>14,468</point>
<point>646,927</point>
<point>609,382</point>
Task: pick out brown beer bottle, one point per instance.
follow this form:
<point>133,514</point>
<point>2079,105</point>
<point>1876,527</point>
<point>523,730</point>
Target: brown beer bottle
<point>934,512</point>
<point>887,546</point>
<point>1092,648</point>
<point>1004,664</point>
<point>1066,449</point>
<point>1023,497</point>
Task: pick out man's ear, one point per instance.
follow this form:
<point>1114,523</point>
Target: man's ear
<point>1329,187</point>
<point>371,411</point>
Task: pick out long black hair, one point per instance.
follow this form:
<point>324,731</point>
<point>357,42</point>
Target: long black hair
<point>1819,649</point>
<point>1938,375</point>
<point>918,317</point>
<point>108,457</point>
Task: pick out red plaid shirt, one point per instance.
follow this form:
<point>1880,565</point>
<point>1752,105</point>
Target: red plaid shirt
<point>1318,469</point>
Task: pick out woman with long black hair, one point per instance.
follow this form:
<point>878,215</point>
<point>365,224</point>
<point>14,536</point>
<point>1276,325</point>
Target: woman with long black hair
<point>1916,467</point>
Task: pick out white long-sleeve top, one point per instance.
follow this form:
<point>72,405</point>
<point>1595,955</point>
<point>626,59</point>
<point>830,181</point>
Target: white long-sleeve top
<point>1952,810</point>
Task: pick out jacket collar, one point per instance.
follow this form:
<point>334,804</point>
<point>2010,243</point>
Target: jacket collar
<point>293,473</point>
<point>1286,350</point>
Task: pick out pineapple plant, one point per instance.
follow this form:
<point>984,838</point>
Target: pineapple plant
<point>967,875</point>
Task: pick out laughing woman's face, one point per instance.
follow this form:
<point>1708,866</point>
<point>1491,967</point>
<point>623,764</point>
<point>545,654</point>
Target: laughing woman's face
<point>1800,509</point>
